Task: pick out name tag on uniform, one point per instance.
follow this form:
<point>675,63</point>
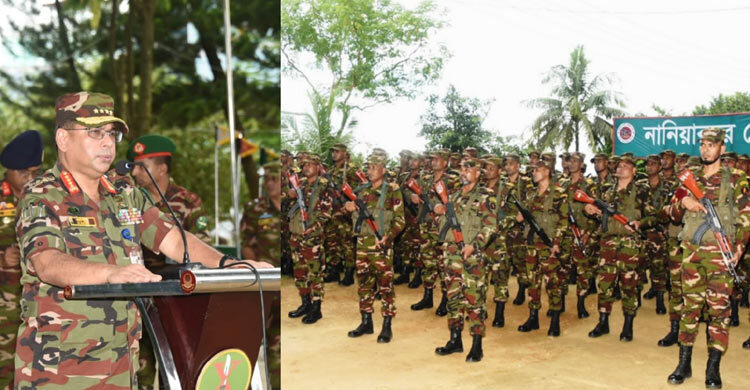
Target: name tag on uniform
<point>131,215</point>
<point>82,221</point>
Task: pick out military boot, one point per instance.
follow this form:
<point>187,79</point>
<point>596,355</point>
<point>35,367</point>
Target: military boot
<point>303,308</point>
<point>638,297</point>
<point>660,308</point>
<point>746,344</point>
<point>627,328</point>
<point>671,338</point>
<point>475,354</point>
<point>386,334</point>
<point>713,379</point>
<point>521,295</point>
<point>602,327</point>
<point>651,293</point>
<point>582,313</point>
<point>404,277</point>
<point>734,318</point>
<point>426,301</point>
<point>455,343</point>
<point>683,370</point>
<point>531,323</point>
<point>617,294</point>
<point>348,277</point>
<point>554,324</point>
<point>417,281</point>
<point>562,310</point>
<point>442,309</point>
<point>333,274</point>
<point>314,314</point>
<point>499,320</point>
<point>592,286</point>
<point>365,327</point>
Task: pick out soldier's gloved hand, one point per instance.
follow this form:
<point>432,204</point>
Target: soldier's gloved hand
<point>131,273</point>
<point>467,251</point>
<point>692,204</point>
<point>11,258</point>
<point>350,207</point>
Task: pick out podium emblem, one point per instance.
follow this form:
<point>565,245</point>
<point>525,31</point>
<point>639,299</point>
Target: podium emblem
<point>228,369</point>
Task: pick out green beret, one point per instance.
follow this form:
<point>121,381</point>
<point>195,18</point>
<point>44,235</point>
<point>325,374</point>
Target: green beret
<point>150,145</point>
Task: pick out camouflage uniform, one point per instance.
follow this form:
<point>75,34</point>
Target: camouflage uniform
<point>10,287</point>
<point>514,238</point>
<point>339,246</point>
<point>375,266</point>
<point>570,252</point>
<point>407,247</point>
<point>655,248</point>
<point>75,343</point>
<point>188,209</point>
<point>705,280</point>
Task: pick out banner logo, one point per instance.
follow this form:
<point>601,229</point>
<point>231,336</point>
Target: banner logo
<point>625,133</point>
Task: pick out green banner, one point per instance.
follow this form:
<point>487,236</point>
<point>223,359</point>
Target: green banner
<point>643,135</point>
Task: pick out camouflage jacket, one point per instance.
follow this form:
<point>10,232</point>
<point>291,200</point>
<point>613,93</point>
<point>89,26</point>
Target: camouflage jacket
<point>583,220</point>
<point>318,202</point>
<point>73,343</point>
<point>659,197</point>
<point>599,185</point>
<point>550,214</point>
<point>337,177</point>
<point>427,184</point>
<point>187,207</point>
<point>710,187</point>
<point>386,206</point>
<point>476,212</point>
<point>411,210</point>
<point>641,209</point>
<point>261,230</point>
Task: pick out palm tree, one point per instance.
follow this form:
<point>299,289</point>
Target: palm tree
<point>577,103</point>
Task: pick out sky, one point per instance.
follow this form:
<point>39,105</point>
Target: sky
<point>675,54</point>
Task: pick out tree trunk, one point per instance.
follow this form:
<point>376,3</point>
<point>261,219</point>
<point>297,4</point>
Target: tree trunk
<point>113,68</point>
<point>577,131</point>
<point>63,32</point>
<point>146,66</point>
<point>130,68</point>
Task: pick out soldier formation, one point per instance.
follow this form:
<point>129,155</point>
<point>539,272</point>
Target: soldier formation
<point>461,223</point>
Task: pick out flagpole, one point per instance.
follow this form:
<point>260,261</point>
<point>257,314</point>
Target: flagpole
<point>230,113</point>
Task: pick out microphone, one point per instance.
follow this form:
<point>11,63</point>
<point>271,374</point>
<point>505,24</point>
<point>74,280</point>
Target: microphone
<point>124,167</point>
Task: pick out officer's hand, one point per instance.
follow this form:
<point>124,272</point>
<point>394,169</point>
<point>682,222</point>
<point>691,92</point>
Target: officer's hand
<point>519,216</point>
<point>293,194</point>
<point>439,209</point>
<point>692,204</point>
<point>636,224</point>
<point>350,207</point>
<point>256,264</point>
<point>11,258</point>
<point>737,255</point>
<point>467,251</point>
<point>131,273</point>
<point>415,198</point>
<point>591,209</point>
<point>380,244</point>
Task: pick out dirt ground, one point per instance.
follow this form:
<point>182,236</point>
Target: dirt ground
<point>322,356</point>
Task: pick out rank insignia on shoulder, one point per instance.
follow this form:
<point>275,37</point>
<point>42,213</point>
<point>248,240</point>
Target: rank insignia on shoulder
<point>81,221</point>
<point>131,215</point>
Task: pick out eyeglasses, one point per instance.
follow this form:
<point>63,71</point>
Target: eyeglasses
<point>98,133</point>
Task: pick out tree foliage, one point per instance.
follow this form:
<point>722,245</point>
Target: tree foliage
<point>455,122</point>
<point>354,54</point>
<point>579,106</point>
<point>724,104</point>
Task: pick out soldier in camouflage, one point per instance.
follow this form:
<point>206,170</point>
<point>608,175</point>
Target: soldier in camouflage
<point>309,264</point>
<point>22,158</point>
<point>155,152</point>
<point>339,247</point>
<point>548,204</point>
<point>261,227</point>
<point>705,280</point>
<point>431,252</point>
<point>465,263</point>
<point>520,186</point>
<point>603,179</point>
<point>570,252</point>
<point>407,245</point>
<point>655,248</point>
<point>384,202</point>
<point>620,246</point>
<point>79,223</point>
<point>287,163</point>
<point>681,161</point>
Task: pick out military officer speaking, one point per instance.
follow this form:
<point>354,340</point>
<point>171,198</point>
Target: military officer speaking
<point>21,159</point>
<point>80,223</point>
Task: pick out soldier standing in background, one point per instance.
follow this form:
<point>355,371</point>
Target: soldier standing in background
<point>22,159</point>
<point>383,201</point>
<point>410,239</point>
<point>465,268</point>
<point>309,263</point>
<point>339,248</point>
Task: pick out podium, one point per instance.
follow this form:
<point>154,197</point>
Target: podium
<point>205,324</point>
